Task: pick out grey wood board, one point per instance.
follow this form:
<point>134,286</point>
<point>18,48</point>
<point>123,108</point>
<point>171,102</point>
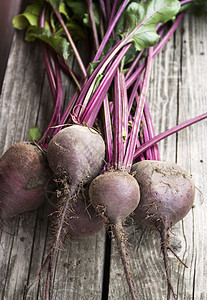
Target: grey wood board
<point>177,92</point>
<point>25,102</point>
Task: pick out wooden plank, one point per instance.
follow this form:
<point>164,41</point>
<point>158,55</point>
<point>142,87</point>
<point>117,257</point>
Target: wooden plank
<point>8,9</point>
<point>177,92</point>
<point>26,101</point>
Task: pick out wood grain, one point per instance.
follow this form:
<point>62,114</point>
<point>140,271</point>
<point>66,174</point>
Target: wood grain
<point>177,92</point>
<point>25,102</point>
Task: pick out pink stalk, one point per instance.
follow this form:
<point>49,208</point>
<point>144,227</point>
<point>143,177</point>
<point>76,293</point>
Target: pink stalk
<point>76,53</point>
<point>138,140</point>
<point>122,43</point>
<point>104,63</point>
<point>49,71</point>
<point>95,34</point>
<point>111,109</point>
<point>92,108</point>
<point>144,130</point>
<point>118,136</point>
<point>67,112</point>
<point>186,1</point>
<point>108,130</point>
<point>89,84</point>
<point>136,61</point>
<point>47,61</point>
<point>157,49</point>
<point>141,157</point>
<point>128,159</point>
<point>113,12</point>
<point>110,29</point>
<point>125,112</point>
<point>134,92</point>
<point>168,35</point>
<point>167,133</point>
<point>134,64</point>
<point>57,109</point>
<point>69,72</point>
<point>151,132</point>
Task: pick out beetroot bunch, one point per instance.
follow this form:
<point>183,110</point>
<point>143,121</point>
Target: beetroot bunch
<point>101,150</point>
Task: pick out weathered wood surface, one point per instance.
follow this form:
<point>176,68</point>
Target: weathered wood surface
<point>26,101</point>
<point>7,10</point>
<point>178,91</point>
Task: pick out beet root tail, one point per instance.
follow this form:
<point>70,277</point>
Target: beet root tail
<point>120,237</point>
<point>164,235</point>
<point>59,236</point>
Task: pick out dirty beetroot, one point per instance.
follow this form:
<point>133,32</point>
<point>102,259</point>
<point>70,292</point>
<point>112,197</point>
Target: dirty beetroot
<point>105,161</point>
<point>76,156</point>
<point>24,179</point>
<point>115,195</point>
<point>82,220</point>
<point>167,194</point>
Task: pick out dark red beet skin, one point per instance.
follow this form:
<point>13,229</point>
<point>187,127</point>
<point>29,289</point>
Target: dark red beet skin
<point>75,155</point>
<point>77,152</point>
<point>166,196</point>
<point>24,176</point>
<point>116,194</point>
<point>81,221</point>
<point>167,192</point>
<point>84,222</point>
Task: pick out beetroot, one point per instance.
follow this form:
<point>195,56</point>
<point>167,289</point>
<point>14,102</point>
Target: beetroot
<point>115,195</point>
<point>82,220</point>
<point>166,196</point>
<point>76,155</point>
<point>76,152</point>
<point>24,176</point>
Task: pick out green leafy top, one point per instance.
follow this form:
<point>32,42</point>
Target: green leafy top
<point>34,134</point>
<point>30,16</point>
<point>52,33</point>
<point>59,44</point>
<point>140,20</point>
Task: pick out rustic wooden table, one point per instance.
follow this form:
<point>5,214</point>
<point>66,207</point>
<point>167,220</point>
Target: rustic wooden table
<point>177,92</point>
